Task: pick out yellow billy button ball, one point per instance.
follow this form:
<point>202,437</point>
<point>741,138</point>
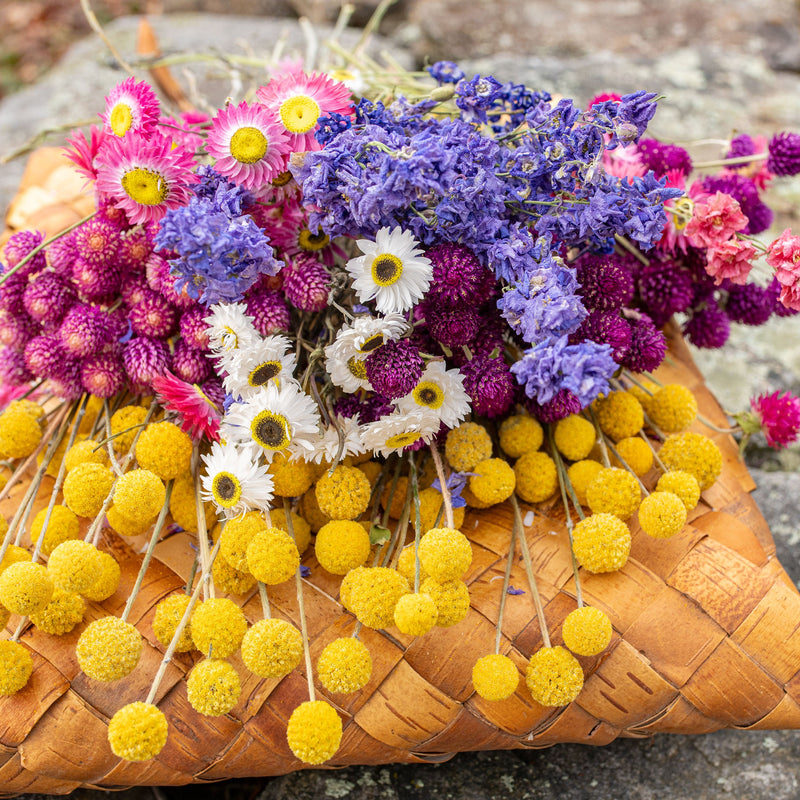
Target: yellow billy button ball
<point>344,666</point>
<point>109,649</point>
<point>495,677</point>
<point>586,631</point>
<point>25,588</point>
<point>272,648</point>
<point>86,452</point>
<point>683,484</point>
<point>236,537</point>
<point>580,475</point>
<point>342,545</point>
<point>138,732</point>
<point>127,527</point>
<point>693,453</point>
<point>575,437</point>
<point>62,526</point>
<point>64,611</point>
<point>520,434</point>
<point>636,453</point>
<point>183,508</point>
<point>139,495</point>
<point>13,555</point>
<point>407,565</point>
<point>314,732</point>
<point>466,445</point>
<point>74,566</point>
<point>169,613</point>
<point>451,599</point>
<point>554,677</point>
<point>86,488</point>
<point>662,514</point>
<point>213,687</point>
<point>125,424</point>
<point>300,528</point>
<point>431,510</point>
<point>311,513</point>
<point>619,415</point>
<point>445,553</point>
<point>20,433</point>
<point>673,408</point>
<point>415,614</point>
<point>290,478</point>
<point>614,491</point>
<point>5,615</point>
<point>344,493</point>
<point>537,477</point>
<point>165,450</point>
<point>218,626</point>
<point>395,502</point>
<point>371,593</point>
<point>16,666</point>
<point>107,581</point>
<point>230,580</point>
<point>272,556</point>
<point>493,481</point>
<point>601,542</point>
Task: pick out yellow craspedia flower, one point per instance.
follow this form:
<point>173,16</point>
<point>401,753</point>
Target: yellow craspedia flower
<point>415,614</point>
<point>107,581</point>
<point>342,545</point>
<point>127,527</point>
<point>395,503</point>
<point>272,648</point>
<point>290,478</point>
<point>495,677</point>
<point>14,554</point>
<point>20,433</point>
<point>58,456</point>
<point>314,732</point>
<point>218,626</point>
<point>673,408</point>
<point>662,514</point>
<point>580,475</point>
<point>371,470</point>
<point>643,395</point>
<point>451,599</point>
<point>236,537</point>
<point>311,512</point>
<point>109,649</point>
<point>614,491</point>
<point>29,407</point>
<point>636,453</point>
<point>169,613</point>
<point>64,611</point>
<point>85,453</point>
<point>74,566</point>
<point>619,415</point>
<point>694,453</point>
<point>272,556</point>
<point>25,588</point>
<point>213,687</point>
<point>230,580</point>
<point>445,553</point>
<point>344,493</point>
<point>575,437</point>
<point>125,424</point>
<point>4,476</point>
<point>165,450</point>
<point>537,477</point>
<point>683,484</point>
<point>554,677</point>
<point>519,434</point>
<point>183,507</point>
<point>371,593</point>
<point>587,631</point>
<point>300,528</point>
<point>344,666</point>
<point>94,408</point>
<point>493,482</point>
<point>471,501</point>
<point>466,445</point>
<point>62,526</point>
<point>138,495</point>
<point>407,565</point>
<point>86,488</point>
<point>138,732</point>
<point>601,543</point>
<point>16,666</point>
<point>431,510</point>
<point>5,616</point>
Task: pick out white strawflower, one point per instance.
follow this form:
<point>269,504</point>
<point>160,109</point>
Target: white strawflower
<point>230,327</point>
<point>394,433</point>
<point>249,370</point>
<point>234,480</point>
<point>326,448</point>
<point>440,391</point>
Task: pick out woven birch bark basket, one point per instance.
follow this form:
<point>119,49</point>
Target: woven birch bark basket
<point>705,637</point>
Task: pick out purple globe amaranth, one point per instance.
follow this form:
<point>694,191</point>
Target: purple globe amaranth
<point>13,369</point>
<point>153,316</point>
<point>144,359</point>
<point>43,354</point>
<point>662,157</point>
<point>374,408</point>
<point>269,311</point>
<point>83,332</point>
<point>47,298</point>
<point>134,289</point>
<point>12,294</point>
<point>708,327</point>
<point>459,279</point>
<point>96,283</point>
<point>19,246</point>
<point>749,304</point>
<point>452,327</point>
<point>784,154</point>
<point>741,145</point>
<point>97,241</point>
<point>665,288</point>
<point>193,328</point>
<point>561,405</point>
<point>17,329</point>
<point>306,284</point>
<point>489,384</point>
<point>648,345</point>
<point>348,406</point>
<point>605,327</point>
<point>66,379</point>
<point>190,365</point>
<point>135,248</point>
<point>605,282</point>
<point>61,254</point>
<point>214,391</point>
<point>395,368</point>
<point>103,374</point>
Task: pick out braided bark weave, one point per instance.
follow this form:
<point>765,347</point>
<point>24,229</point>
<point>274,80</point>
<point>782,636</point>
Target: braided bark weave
<point>705,637</point>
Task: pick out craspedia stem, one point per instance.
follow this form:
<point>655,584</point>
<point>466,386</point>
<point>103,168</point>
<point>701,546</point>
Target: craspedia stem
<point>448,503</point>
<point>504,595</point>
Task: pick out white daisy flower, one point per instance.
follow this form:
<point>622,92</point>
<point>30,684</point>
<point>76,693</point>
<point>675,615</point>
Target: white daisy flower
<point>248,371</point>
<point>397,431</point>
<point>234,481</point>
<point>326,448</point>
<point>441,391</point>
<point>346,365</point>
<point>279,417</point>
<point>392,270</point>
<point>368,333</point>
<point>230,328</point>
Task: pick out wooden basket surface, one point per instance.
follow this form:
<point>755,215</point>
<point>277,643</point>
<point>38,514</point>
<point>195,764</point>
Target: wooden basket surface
<point>705,637</point>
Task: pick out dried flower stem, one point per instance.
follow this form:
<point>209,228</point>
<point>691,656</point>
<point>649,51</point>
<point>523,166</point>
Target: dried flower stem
<point>202,529</point>
<point>448,503</point>
<point>601,439</point>
<point>94,23</point>
<point>504,595</point>
<point>262,592</point>
<point>417,520</point>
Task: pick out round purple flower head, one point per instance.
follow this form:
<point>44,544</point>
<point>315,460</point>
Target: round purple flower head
<point>190,365</point>
<point>374,408</point>
<point>605,283</point>
<point>48,297</point>
<point>446,72</point>
<point>307,284</point>
<point>16,330</point>
<point>648,345</point>
<point>66,379</point>
<point>12,294</point>
<point>97,241</point>
<point>709,327</point>
<point>665,288</point>
<point>741,145</point>
<point>662,157</point>
<point>489,384</point>
<point>561,405</point>
<point>394,369</point>
<point>103,374</point>
<point>452,327</point>
<point>749,304</point>
<point>348,406</point>
<point>605,327</point>
<point>13,370</point>
<point>459,279</point>
<point>134,289</point>
<point>43,354</point>
<point>61,254</point>
<point>784,153</point>
<point>19,245</point>
<point>214,391</point>
<point>95,282</point>
<point>269,311</point>
<point>152,316</point>
<point>135,247</point>
<point>193,329</point>
<point>144,359</point>
<point>83,331</point>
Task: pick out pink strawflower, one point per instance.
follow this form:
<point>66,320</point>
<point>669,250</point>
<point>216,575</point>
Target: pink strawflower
<point>299,100</point>
<point>199,415</point>
<point>623,162</point>
<point>291,236</point>
<point>779,417</point>
<point>784,255</point>
<point>714,220</point>
<point>82,151</point>
<point>131,107</point>
<point>145,177</point>
<point>249,143</point>
<point>732,259</point>
<point>186,131</point>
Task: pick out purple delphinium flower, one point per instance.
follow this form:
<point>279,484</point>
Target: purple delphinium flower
<point>636,109</point>
<point>456,481</point>
<point>445,72</point>
<point>474,97</point>
<point>395,368</point>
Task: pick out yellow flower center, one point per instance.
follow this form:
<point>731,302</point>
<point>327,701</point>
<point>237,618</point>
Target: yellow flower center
<point>226,489</point>
<point>270,430</point>
<point>357,368</point>
<point>402,439</point>
<point>120,119</point>
<point>230,338</point>
<point>282,179</point>
<point>372,343</point>
<point>248,145</point>
<point>264,373</point>
<point>312,241</point>
<point>144,186</point>
<point>299,114</point>
<point>386,269</point>
<point>428,394</point>
<point>683,207</point>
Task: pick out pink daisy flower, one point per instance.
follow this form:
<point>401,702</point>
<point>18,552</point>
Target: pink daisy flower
<point>131,108</point>
<point>199,415</point>
<point>291,236</point>
<point>714,220</point>
<point>779,417</point>
<point>732,259</point>
<point>250,145</point>
<point>82,151</point>
<point>144,177</point>
<point>299,100</point>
